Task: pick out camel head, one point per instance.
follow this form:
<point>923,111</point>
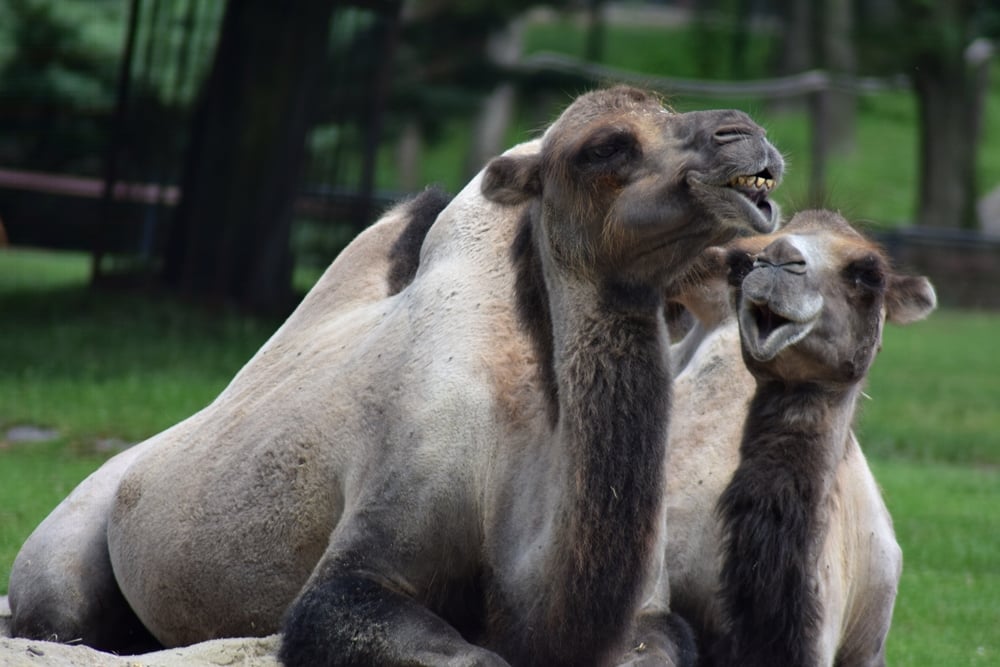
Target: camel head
<point>624,188</point>
<point>811,300</point>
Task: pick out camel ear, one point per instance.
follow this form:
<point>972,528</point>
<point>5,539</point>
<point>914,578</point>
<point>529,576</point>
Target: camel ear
<point>909,299</point>
<point>512,179</point>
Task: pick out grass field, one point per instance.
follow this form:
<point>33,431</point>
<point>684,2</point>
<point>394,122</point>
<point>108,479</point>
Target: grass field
<point>105,368</point>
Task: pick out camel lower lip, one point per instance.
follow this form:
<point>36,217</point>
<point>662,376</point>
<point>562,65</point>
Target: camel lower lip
<point>760,215</point>
<point>755,189</point>
<point>765,333</point>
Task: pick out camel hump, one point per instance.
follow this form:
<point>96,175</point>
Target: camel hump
<point>404,258</point>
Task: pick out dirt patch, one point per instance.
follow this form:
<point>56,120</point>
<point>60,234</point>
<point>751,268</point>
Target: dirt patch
<point>238,652</point>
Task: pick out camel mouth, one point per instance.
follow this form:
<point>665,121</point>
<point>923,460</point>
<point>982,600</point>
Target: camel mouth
<point>766,333</point>
<point>755,189</point>
<point>767,320</point>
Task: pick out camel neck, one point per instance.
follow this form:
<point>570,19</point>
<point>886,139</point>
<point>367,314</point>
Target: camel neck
<point>772,516</point>
<point>608,350</point>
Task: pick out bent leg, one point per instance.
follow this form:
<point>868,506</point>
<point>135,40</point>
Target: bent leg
<point>352,619</point>
<point>62,587</point>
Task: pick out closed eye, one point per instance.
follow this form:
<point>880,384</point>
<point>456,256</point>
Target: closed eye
<point>604,151</point>
<point>867,272</point>
<point>606,147</point>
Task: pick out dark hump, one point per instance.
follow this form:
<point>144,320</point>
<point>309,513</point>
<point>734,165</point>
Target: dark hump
<point>533,310</point>
<point>404,257</point>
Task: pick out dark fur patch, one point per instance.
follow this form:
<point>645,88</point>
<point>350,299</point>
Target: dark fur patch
<point>350,618</point>
<point>614,416</point>
<point>337,622</point>
<point>404,257</point>
<point>533,310</point>
<point>771,518</point>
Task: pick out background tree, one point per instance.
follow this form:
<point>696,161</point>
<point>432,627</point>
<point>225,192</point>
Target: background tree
<point>230,238</point>
<point>54,79</point>
<point>933,43</point>
<point>950,87</point>
<point>821,35</point>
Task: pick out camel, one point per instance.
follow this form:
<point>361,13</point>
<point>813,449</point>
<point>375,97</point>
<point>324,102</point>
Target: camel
<point>781,548</point>
<point>463,468</point>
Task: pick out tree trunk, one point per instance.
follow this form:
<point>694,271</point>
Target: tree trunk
<point>504,49</point>
<point>947,80</point>
<point>947,144</point>
<point>796,52</point>
<point>230,238</point>
<point>838,58</point>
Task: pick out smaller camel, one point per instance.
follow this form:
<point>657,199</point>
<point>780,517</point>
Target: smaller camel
<point>799,565</point>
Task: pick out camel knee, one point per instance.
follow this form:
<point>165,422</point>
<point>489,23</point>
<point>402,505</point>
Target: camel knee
<point>352,619</point>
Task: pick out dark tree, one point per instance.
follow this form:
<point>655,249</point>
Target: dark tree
<point>949,81</point>
<point>821,35</point>
<point>230,239</point>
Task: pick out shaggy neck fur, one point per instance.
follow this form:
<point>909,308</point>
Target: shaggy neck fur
<point>773,517</point>
<point>607,350</point>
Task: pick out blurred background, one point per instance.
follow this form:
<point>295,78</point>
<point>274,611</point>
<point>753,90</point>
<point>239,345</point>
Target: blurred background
<point>175,174</point>
<point>217,147</point>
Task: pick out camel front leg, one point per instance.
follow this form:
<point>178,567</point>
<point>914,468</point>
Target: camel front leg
<point>351,618</point>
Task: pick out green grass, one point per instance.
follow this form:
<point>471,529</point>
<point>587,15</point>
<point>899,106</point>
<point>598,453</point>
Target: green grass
<point>935,391</point>
<point>96,365</point>
<point>947,611</point>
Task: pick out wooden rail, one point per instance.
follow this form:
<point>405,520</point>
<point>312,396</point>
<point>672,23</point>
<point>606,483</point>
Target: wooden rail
<point>90,188</point>
<point>813,86</point>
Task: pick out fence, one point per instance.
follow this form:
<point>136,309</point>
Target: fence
<point>99,164</point>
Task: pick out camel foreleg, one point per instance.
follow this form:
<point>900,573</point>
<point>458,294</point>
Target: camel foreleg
<point>353,619</point>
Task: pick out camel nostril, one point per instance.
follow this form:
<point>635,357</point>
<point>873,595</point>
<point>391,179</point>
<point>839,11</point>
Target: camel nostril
<point>797,267</point>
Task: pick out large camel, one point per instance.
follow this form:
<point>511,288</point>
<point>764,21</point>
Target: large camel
<point>455,457</point>
<point>776,506</point>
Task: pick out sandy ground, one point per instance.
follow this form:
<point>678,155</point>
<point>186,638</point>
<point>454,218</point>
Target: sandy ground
<point>251,652</point>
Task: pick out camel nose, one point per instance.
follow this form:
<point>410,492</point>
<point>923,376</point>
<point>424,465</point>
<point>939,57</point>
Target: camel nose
<point>732,125</point>
<point>782,254</point>
<point>772,269</point>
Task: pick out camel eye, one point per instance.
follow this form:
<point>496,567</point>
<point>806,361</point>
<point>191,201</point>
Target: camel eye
<point>603,149</point>
<point>740,264</point>
<point>867,273</point>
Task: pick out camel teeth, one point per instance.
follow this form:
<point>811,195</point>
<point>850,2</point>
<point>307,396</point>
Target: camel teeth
<point>754,182</point>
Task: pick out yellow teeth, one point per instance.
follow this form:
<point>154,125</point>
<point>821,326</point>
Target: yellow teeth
<point>756,182</point>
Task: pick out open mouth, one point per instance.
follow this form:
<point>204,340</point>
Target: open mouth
<point>756,188</point>
<point>767,320</point>
<point>765,333</point>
